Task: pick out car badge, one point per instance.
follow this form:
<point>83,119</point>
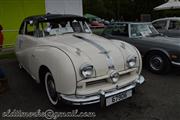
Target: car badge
<point>78,51</point>
<point>123,45</point>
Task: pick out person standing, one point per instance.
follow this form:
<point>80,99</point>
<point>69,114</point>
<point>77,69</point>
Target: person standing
<point>1,37</point>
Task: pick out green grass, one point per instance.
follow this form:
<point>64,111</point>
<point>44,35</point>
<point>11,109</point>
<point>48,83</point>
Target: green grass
<point>7,56</point>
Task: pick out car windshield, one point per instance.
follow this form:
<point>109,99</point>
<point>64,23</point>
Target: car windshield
<point>59,27</point>
<point>143,30</point>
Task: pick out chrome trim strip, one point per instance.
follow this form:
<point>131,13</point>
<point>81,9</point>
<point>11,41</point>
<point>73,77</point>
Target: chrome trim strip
<point>96,98</point>
<point>175,63</point>
<point>107,76</point>
<point>102,50</point>
<point>80,100</point>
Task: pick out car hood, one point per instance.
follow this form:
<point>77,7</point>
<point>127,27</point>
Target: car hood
<point>163,40</point>
<point>103,54</point>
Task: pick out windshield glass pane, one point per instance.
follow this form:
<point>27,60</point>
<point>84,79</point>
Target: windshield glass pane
<point>59,27</point>
<point>143,30</point>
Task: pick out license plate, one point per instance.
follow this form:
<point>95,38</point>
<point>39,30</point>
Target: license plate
<point>116,98</point>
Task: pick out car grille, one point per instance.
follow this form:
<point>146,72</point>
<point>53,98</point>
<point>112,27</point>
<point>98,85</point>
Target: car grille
<point>104,83</point>
<point>96,82</point>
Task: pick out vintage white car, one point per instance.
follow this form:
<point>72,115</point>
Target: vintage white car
<point>75,65</point>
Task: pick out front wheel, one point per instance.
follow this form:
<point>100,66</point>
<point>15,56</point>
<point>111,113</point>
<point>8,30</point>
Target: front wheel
<point>51,89</point>
<point>158,63</point>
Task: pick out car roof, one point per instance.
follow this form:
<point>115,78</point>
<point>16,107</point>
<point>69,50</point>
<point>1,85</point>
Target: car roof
<point>48,16</point>
<point>118,23</point>
<point>130,22</point>
<point>167,18</point>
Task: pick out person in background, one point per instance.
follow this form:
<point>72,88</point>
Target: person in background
<point>3,82</point>
<point>121,18</point>
<point>1,38</point>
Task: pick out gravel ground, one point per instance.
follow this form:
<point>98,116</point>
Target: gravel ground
<point>157,99</point>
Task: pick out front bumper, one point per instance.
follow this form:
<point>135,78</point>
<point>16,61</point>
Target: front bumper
<point>101,95</point>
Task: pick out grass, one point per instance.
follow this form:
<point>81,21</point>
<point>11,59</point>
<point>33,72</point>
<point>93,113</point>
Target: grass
<point>10,55</point>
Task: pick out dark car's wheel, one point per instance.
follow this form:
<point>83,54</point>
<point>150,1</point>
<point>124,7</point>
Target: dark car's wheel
<point>158,62</point>
<point>51,89</point>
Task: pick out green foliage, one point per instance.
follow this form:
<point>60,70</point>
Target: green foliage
<point>129,9</point>
<point>12,12</point>
<point>98,31</point>
<point>7,55</point>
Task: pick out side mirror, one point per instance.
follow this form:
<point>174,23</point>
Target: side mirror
<point>48,29</point>
<point>31,22</point>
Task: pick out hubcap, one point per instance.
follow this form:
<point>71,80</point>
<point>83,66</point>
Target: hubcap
<point>156,63</point>
<point>51,89</point>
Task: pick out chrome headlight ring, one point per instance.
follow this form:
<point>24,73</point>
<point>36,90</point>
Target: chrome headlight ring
<point>87,71</point>
<point>132,61</point>
<point>114,76</point>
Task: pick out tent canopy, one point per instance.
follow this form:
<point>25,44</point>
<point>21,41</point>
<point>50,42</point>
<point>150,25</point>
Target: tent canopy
<point>171,4</point>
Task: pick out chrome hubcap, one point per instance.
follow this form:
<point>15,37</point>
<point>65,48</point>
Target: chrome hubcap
<point>51,89</point>
<point>156,63</point>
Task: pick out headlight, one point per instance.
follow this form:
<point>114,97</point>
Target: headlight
<point>114,76</point>
<point>87,71</point>
<point>131,62</point>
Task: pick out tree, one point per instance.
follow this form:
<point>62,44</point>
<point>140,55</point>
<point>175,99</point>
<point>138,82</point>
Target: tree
<point>129,9</point>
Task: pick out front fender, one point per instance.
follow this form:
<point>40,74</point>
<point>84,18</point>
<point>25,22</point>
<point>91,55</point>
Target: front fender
<point>128,51</point>
<point>60,65</point>
<point>159,49</point>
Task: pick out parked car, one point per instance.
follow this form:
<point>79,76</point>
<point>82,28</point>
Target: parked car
<point>159,52</point>
<point>96,25</point>
<point>168,26</point>
<point>75,65</point>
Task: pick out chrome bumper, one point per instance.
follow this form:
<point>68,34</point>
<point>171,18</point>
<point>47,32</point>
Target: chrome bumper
<point>175,63</point>
<point>101,95</point>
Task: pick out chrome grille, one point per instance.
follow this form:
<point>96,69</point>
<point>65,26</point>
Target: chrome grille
<point>96,82</point>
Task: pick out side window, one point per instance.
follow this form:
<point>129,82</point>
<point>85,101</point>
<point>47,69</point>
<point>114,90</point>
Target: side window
<point>120,30</point>
<point>160,25</point>
<point>174,25</point>
<point>30,29</point>
<point>21,30</point>
<point>44,28</point>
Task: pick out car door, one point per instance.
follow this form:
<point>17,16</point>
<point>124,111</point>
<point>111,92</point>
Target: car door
<point>173,28</point>
<point>25,42</point>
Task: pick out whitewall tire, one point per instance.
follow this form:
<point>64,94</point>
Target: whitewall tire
<point>51,89</point>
